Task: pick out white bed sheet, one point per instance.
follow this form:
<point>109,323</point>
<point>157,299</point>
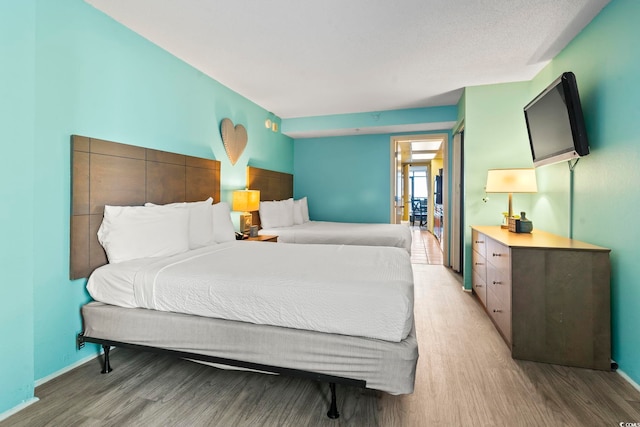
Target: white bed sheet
<point>344,233</point>
<point>350,290</point>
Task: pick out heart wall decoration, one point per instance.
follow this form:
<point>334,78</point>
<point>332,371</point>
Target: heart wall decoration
<point>234,139</point>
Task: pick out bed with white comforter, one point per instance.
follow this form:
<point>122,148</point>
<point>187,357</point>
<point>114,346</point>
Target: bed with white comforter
<point>344,233</point>
<point>349,290</point>
<point>289,220</point>
<point>343,311</point>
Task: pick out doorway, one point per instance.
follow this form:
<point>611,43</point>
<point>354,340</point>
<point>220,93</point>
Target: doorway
<point>417,161</point>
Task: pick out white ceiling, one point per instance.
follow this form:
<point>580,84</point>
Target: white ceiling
<point>309,58</point>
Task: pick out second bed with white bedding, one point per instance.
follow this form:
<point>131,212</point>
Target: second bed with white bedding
<point>344,233</point>
<point>354,290</point>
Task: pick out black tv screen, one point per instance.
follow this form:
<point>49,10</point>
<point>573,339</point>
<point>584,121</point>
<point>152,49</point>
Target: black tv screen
<point>555,123</point>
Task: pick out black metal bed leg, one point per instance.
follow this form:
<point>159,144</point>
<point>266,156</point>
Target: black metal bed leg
<point>106,367</point>
<point>333,409</point>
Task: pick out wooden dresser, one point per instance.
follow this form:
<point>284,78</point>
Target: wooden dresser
<point>548,296</point>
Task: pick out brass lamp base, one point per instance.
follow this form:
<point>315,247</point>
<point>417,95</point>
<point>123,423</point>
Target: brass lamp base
<point>246,221</point>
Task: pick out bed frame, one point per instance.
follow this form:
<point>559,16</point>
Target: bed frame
<point>105,172</point>
<point>331,379</point>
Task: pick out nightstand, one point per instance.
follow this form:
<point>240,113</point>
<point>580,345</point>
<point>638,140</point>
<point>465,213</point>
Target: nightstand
<point>265,238</point>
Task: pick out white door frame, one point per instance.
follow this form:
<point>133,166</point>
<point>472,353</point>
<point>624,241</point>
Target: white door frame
<point>456,202</point>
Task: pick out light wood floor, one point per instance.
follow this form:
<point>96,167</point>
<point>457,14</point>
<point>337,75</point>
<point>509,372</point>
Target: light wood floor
<point>465,377</point>
<point>425,247</point>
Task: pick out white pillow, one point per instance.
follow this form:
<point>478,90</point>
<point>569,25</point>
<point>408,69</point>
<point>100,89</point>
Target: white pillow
<point>200,224</point>
<point>276,214</point>
<point>223,230</point>
<point>305,209</point>
<point>297,212</point>
<point>132,232</point>
<point>268,214</point>
<point>286,212</point>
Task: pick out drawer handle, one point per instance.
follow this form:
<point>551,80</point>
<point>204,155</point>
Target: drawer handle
<point>478,286</point>
<point>479,263</point>
<point>497,283</point>
<point>479,241</point>
<point>497,311</point>
<point>495,254</point>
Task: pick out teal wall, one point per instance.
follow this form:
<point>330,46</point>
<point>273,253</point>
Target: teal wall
<point>495,138</point>
<point>345,179</point>
<point>74,70</point>
<point>605,195</point>
<point>17,45</point>
<point>606,199</point>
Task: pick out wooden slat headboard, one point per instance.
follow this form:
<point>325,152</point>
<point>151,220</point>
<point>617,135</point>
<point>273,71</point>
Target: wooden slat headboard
<point>109,173</point>
<point>272,185</point>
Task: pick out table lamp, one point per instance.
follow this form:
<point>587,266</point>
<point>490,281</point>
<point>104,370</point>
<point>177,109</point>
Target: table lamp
<point>511,181</point>
<point>246,201</point>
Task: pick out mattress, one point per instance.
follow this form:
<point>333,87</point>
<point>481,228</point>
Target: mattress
<point>342,233</point>
<point>385,366</point>
<point>350,290</point>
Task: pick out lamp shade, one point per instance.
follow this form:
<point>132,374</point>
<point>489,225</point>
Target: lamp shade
<point>511,181</point>
<point>246,200</point>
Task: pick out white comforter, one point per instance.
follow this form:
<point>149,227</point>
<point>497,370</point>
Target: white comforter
<point>350,290</point>
<point>344,233</point>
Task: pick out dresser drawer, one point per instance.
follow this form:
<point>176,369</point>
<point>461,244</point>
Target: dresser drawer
<point>500,313</point>
<point>499,282</point>
<point>498,254</point>
<point>479,287</point>
<point>479,264</point>
<point>478,242</point>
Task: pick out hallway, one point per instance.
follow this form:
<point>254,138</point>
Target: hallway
<point>425,248</point>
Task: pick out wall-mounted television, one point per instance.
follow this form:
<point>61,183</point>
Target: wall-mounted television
<point>555,123</point>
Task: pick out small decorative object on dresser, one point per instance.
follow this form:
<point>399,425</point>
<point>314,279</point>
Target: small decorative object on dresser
<point>547,295</point>
<point>520,224</point>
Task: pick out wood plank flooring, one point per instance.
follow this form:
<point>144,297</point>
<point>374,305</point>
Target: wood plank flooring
<point>465,377</point>
<point>425,247</point>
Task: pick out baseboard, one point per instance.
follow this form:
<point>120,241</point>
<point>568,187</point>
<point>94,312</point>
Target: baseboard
<point>43,380</point>
<point>628,379</point>
<point>16,409</point>
<point>66,369</point>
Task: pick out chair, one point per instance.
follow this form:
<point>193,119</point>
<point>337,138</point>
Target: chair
<point>423,212</point>
<point>419,211</point>
<point>415,209</point>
